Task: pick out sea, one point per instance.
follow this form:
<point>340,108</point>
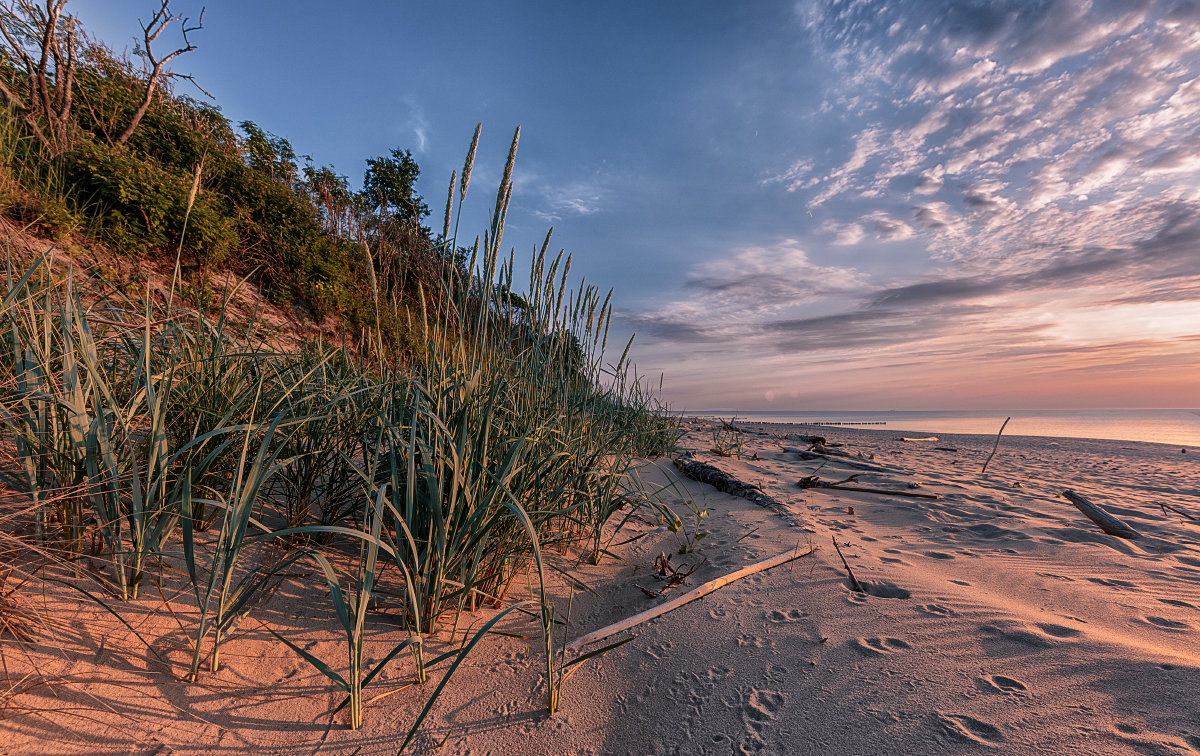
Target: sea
<point>1178,427</point>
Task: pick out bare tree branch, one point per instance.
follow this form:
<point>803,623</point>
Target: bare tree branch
<point>150,32</point>
<point>46,106</point>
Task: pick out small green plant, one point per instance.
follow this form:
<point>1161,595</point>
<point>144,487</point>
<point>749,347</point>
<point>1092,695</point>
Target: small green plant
<point>727,439</point>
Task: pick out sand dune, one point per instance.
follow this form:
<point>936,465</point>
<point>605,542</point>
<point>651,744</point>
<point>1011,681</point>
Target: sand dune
<point>996,617</point>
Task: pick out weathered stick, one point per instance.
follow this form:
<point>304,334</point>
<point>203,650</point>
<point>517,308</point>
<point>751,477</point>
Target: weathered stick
<point>686,598</point>
<point>1176,511</point>
<point>884,491</point>
<point>1107,522</point>
<point>853,580</point>
<point>995,446</point>
<point>726,483</point>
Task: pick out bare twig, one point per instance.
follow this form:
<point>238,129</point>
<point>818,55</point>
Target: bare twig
<point>853,580</point>
<point>994,446</point>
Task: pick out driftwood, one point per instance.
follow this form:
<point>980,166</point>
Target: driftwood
<point>922,438</point>
<point>814,482</point>
<point>995,446</point>
<point>1107,522</point>
<point>1165,507</point>
<point>686,598</point>
<point>853,580</point>
<point>726,483</point>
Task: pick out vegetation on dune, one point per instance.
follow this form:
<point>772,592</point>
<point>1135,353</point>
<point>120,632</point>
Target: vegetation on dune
<point>470,427</point>
<point>117,159</point>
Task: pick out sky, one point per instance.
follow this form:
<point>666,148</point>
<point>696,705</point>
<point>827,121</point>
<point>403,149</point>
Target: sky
<point>824,204</point>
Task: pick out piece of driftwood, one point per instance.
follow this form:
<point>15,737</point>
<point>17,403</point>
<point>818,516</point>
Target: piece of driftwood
<point>1165,507</point>
<point>1107,522</point>
<point>920,438</point>
<point>726,483</point>
<point>814,482</point>
<point>853,580</point>
<point>686,598</point>
<point>995,446</point>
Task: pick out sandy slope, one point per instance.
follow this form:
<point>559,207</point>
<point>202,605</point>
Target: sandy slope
<point>997,617</point>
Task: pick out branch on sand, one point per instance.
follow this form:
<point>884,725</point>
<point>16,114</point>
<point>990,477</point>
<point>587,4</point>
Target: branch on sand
<point>726,483</point>
<point>813,481</point>
<point>1107,522</point>
<point>686,598</point>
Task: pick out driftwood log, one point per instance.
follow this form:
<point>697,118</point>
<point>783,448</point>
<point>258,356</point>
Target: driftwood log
<point>1107,522</point>
<point>686,598</point>
<point>726,483</point>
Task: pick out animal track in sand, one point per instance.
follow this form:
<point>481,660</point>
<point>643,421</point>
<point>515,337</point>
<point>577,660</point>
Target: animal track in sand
<point>1163,623</point>
<point>1001,684</point>
<point>969,729</point>
<point>779,615</point>
<point>937,610</point>
<point>881,645</point>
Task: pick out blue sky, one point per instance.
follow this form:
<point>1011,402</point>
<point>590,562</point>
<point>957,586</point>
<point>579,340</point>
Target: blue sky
<point>828,204</point>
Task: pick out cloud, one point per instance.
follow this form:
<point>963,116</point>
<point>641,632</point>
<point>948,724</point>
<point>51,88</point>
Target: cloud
<point>1006,125</point>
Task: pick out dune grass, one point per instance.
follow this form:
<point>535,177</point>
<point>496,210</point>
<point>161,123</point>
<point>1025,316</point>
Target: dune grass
<point>163,438</point>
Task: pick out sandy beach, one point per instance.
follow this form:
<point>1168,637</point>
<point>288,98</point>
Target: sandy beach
<point>993,617</point>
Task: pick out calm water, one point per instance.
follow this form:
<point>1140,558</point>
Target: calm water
<point>1177,427</point>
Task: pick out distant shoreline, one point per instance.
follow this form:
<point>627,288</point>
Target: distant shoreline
<point>1180,427</point>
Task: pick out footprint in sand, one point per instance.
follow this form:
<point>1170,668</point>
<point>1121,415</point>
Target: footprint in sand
<point>968,729</point>
<point>938,555</point>
<point>937,610</point>
<point>881,645</point>
<point>1001,684</point>
<point>1162,623</point>
<point>884,589</point>
<point>778,616</point>
<point>892,560</point>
